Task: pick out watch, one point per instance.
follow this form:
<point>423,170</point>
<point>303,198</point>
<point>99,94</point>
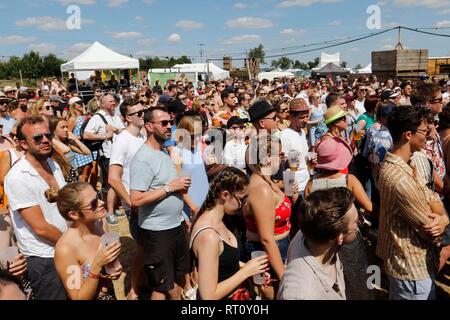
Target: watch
<point>167,189</point>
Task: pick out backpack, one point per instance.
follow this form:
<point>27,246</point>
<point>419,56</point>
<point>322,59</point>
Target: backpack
<point>93,145</point>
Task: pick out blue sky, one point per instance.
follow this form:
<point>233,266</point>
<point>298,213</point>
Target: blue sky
<point>227,27</point>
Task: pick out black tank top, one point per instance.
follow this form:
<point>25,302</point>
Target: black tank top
<point>228,259</point>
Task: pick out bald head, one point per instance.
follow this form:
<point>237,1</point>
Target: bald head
<point>108,104</point>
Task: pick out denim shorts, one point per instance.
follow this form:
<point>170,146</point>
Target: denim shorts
<point>283,246</point>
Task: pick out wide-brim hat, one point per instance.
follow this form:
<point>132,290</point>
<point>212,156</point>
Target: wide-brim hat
<point>333,154</point>
<point>333,114</point>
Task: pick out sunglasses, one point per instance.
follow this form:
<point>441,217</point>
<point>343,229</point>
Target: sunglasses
<point>93,206</point>
<point>164,123</point>
<point>48,108</point>
<point>439,100</point>
<point>240,127</point>
<point>274,118</point>
<point>139,113</point>
<point>39,137</point>
<point>283,110</point>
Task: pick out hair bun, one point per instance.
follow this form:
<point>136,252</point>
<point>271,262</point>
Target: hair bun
<point>51,195</point>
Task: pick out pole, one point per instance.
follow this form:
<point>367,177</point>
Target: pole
<point>399,39</point>
<point>207,66</point>
<point>21,79</point>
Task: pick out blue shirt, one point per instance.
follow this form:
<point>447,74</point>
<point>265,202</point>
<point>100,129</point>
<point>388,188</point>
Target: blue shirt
<point>171,142</point>
<point>378,143</point>
<point>151,170</point>
<point>194,166</point>
<point>7,122</point>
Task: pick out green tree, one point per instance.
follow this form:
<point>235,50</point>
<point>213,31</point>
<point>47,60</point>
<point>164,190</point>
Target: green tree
<point>313,64</point>
<point>344,64</point>
<point>258,53</point>
<point>51,65</point>
<point>300,65</point>
<point>358,66</point>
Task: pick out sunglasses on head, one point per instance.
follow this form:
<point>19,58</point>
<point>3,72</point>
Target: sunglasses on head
<point>39,137</point>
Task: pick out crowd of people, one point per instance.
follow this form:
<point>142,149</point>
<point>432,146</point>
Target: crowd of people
<point>226,182</point>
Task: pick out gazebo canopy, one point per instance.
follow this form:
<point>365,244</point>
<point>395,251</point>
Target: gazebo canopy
<point>99,57</point>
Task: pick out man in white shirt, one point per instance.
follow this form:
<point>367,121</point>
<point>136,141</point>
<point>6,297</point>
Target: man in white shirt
<point>446,95</point>
<point>123,150</point>
<point>98,130</point>
<point>361,93</point>
<point>37,223</point>
<point>294,139</point>
<point>234,151</point>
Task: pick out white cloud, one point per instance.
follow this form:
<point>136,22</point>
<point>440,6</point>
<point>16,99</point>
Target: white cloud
<point>81,2</point>
<point>242,39</point>
<point>147,41</point>
<point>116,3</point>
<point>48,23</point>
<point>15,39</point>
<point>250,22</point>
<point>139,54</point>
<point>443,24</point>
<point>431,4</point>
<point>187,25</point>
<point>125,35</point>
<point>335,23</point>
<point>240,5</point>
<point>174,38</point>
<point>43,48</point>
<point>138,18</point>
<point>388,47</point>
<point>292,32</point>
<point>79,47</point>
<point>303,3</point>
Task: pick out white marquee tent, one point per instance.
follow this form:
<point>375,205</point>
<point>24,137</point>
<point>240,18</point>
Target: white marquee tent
<point>275,74</point>
<point>99,57</point>
<point>215,73</point>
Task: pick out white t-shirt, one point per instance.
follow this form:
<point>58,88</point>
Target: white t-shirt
<point>446,95</point>
<point>292,140</point>
<point>25,188</point>
<point>97,126</point>
<point>359,107</point>
<point>123,150</point>
<point>234,154</point>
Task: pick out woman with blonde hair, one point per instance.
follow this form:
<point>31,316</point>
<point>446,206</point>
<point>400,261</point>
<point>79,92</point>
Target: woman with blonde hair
<point>79,249</point>
<point>42,108</point>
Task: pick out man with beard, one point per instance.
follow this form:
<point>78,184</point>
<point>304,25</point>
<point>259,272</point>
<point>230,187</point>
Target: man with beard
<point>157,192</point>
<point>37,223</point>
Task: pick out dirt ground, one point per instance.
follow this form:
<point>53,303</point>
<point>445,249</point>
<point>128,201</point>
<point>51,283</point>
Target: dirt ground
<point>122,285</point>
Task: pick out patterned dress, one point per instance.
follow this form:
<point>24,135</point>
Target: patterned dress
<point>81,160</point>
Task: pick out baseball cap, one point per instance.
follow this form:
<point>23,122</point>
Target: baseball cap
<point>3,97</point>
<point>57,98</point>
<point>235,120</point>
<point>165,98</point>
<point>389,94</point>
<point>260,109</point>
<point>74,100</point>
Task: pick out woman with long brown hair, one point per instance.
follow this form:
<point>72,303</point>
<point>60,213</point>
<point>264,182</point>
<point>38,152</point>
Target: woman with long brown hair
<point>214,242</point>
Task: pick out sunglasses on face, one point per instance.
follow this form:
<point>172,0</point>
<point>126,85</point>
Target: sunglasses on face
<point>37,138</point>
<point>48,108</point>
<point>93,206</point>
<point>283,110</point>
<point>239,127</point>
<point>439,100</point>
<point>164,123</point>
<point>274,118</point>
<point>139,113</point>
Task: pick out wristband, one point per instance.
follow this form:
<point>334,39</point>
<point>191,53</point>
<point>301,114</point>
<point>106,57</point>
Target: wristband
<point>94,276</point>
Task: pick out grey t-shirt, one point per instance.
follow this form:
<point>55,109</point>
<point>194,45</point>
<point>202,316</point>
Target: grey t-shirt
<point>152,170</point>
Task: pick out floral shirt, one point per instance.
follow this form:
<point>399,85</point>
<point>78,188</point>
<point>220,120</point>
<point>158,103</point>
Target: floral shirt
<point>433,150</point>
<point>378,143</point>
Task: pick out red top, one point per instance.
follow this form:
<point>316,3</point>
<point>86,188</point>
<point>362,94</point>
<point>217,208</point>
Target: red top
<point>282,215</point>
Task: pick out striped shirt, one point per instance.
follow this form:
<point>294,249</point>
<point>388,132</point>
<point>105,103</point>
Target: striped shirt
<point>405,204</point>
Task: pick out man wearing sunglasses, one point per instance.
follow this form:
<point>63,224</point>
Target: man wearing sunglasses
<point>123,150</point>
<point>37,223</point>
<point>94,104</point>
<point>5,119</point>
<point>156,191</point>
<point>361,94</point>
